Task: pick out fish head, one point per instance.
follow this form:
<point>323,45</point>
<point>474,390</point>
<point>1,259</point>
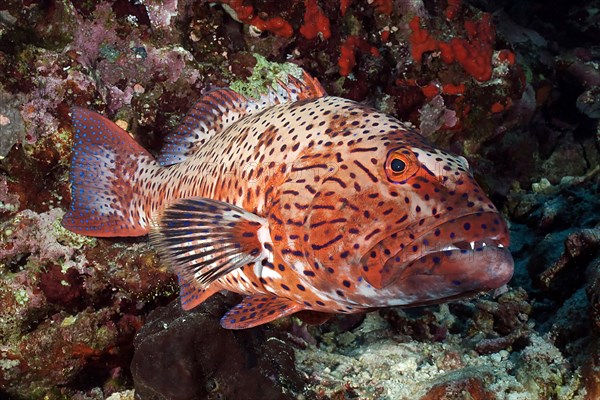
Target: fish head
<point>386,217</point>
<point>444,238</point>
<point>404,218</point>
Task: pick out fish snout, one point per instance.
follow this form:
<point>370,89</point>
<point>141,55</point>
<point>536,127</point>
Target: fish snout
<point>456,258</point>
<point>441,277</point>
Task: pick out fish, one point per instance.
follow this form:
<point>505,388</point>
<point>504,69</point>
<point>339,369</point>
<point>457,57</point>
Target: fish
<point>297,200</point>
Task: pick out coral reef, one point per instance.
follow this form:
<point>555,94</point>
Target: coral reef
<point>372,362</point>
<point>512,86</point>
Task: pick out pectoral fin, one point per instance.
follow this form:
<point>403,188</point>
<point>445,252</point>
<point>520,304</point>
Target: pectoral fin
<point>204,239</point>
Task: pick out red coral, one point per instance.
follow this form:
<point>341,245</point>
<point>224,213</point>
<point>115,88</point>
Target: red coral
<point>430,90</point>
<point>64,288</point>
<point>347,57</point>
<point>451,89</point>
<point>344,4</point>
<point>452,9</point>
<point>384,6</point>
<point>500,106</point>
<point>497,107</point>
<point>385,35</point>
<point>315,21</point>
<point>474,53</point>
<point>420,40</point>
<point>245,14</point>
<point>277,25</point>
<point>506,56</point>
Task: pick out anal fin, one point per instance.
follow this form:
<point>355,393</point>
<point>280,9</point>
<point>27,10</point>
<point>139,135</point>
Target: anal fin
<point>258,309</point>
<point>192,295</point>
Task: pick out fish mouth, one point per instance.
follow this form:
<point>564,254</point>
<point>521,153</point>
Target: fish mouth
<point>453,259</point>
<point>469,233</point>
<point>473,245</point>
<point>459,269</point>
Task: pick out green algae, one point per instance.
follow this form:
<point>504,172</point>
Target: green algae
<point>7,364</point>
<point>69,320</point>
<point>109,53</point>
<point>21,297</point>
<point>74,240</point>
<point>265,75</point>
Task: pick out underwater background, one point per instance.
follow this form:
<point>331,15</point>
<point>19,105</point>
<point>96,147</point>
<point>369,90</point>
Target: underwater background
<point>514,86</point>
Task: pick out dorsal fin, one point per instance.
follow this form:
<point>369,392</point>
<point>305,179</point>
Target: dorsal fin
<point>220,108</point>
<point>215,111</point>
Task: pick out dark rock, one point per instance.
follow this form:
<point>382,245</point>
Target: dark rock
<point>422,326</point>
<point>187,355</point>
<point>62,288</point>
<point>579,249</point>
<point>587,242</point>
<point>593,291</point>
<point>590,375</point>
<point>589,102</point>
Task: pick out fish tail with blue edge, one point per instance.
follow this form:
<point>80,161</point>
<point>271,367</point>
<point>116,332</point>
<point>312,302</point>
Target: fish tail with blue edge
<point>108,173</point>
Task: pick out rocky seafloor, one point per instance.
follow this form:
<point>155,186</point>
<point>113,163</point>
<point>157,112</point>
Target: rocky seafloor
<point>514,86</point>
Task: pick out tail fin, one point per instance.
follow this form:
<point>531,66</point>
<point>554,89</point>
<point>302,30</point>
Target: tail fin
<point>107,173</point>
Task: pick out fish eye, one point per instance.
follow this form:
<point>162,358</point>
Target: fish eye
<point>397,165</point>
<point>401,164</point>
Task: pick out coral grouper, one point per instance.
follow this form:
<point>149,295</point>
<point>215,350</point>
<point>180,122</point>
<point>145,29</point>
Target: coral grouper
<point>298,200</point>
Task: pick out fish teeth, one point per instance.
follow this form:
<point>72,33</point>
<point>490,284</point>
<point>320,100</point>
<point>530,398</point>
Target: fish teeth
<point>472,245</point>
<point>449,247</point>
